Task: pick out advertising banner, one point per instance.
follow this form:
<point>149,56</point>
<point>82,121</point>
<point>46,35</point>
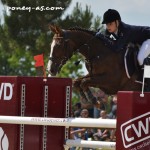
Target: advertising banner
<point>35,97</point>
<point>133,121</point>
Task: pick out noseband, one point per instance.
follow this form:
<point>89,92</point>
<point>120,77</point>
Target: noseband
<point>59,62</point>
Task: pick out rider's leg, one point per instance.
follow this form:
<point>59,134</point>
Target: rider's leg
<point>144,53</point>
<point>144,59</point>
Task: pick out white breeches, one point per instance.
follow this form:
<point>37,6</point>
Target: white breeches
<point>144,51</point>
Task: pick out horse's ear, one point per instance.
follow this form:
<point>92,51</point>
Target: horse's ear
<point>55,29</point>
<point>52,28</point>
<point>58,30</point>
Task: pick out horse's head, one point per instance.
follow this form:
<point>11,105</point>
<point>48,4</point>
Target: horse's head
<point>67,42</point>
<point>58,54</point>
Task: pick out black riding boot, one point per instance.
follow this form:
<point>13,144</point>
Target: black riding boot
<point>146,61</point>
<point>147,80</point>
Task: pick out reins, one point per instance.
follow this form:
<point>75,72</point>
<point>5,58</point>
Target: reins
<point>64,59</point>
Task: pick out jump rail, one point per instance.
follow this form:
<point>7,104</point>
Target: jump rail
<point>91,144</point>
<point>67,122</point>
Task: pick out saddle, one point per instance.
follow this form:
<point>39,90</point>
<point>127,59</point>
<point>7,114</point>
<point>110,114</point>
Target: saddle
<point>130,60</point>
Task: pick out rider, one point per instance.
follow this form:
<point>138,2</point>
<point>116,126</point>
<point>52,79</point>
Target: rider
<point>122,34</point>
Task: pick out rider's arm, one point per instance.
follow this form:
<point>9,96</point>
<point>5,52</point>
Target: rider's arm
<point>116,45</point>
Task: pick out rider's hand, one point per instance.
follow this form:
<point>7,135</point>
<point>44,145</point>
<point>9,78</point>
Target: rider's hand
<point>107,41</point>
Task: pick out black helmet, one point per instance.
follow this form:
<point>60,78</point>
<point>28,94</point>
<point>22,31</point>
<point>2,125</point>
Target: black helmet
<point>111,15</point>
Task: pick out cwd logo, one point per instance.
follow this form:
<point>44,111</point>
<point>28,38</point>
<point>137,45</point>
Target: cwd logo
<point>6,91</point>
<point>4,143</point>
<point>136,130</point>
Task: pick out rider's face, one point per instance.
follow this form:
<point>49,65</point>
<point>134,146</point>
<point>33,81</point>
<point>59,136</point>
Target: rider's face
<point>112,27</point>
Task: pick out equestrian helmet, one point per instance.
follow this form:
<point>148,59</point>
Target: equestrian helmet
<point>111,15</point>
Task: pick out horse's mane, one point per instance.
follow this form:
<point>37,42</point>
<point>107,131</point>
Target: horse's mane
<point>83,30</point>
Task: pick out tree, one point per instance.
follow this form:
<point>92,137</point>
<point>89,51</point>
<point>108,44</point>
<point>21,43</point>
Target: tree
<point>25,34</point>
<point>30,28</point>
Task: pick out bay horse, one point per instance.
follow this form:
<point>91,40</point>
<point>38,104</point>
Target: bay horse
<point>106,67</point>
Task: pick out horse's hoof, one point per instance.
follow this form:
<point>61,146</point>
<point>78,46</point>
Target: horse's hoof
<point>83,84</point>
<point>76,85</point>
<point>98,105</point>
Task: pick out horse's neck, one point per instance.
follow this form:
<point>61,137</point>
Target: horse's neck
<point>79,39</point>
<point>88,45</point>
<point>95,47</point>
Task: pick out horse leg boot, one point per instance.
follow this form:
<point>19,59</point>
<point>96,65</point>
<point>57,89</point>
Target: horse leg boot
<point>97,103</point>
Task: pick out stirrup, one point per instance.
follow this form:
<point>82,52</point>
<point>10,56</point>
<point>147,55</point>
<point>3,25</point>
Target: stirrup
<point>146,61</point>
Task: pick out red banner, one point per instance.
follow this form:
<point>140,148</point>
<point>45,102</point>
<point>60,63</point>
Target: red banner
<point>39,60</point>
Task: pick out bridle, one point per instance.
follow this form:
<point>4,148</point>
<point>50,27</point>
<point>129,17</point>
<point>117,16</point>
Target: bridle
<point>59,62</point>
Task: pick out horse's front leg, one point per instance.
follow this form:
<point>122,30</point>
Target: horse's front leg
<point>94,81</point>
<point>88,82</point>
<point>103,82</point>
<point>77,82</point>
<point>77,87</point>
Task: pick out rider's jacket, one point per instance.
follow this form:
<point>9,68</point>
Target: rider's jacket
<point>126,34</point>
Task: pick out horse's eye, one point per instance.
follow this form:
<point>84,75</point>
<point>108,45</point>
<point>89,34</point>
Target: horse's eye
<point>59,43</point>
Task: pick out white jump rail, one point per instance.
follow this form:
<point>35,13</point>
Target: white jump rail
<point>67,122</point>
<point>91,144</point>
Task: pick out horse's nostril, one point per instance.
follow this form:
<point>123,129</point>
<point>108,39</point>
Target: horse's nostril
<point>52,70</point>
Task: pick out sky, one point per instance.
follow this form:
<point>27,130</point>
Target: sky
<point>136,12</point>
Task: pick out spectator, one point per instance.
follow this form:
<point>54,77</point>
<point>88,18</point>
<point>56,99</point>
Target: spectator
<point>87,105</point>
<point>113,135</point>
<point>101,96</point>
<point>113,113</point>
<point>77,108</point>
<point>103,114</point>
<point>82,133</point>
<point>79,132</point>
<point>102,134</point>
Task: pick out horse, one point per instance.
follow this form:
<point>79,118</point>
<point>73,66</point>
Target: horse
<point>106,68</point>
